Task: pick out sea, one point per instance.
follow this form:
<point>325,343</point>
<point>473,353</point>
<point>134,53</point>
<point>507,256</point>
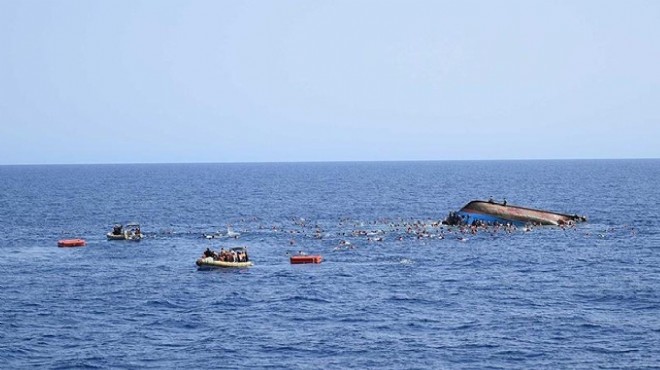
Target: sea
<point>396,288</point>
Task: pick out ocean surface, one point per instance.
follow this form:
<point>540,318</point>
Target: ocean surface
<point>395,290</point>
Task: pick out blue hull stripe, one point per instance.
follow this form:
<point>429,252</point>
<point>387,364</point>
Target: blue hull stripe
<point>469,218</point>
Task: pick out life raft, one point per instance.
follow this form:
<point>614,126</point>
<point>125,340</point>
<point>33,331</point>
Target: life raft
<point>295,260</point>
<point>71,243</point>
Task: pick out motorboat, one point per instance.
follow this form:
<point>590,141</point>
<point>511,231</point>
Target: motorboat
<point>130,231</point>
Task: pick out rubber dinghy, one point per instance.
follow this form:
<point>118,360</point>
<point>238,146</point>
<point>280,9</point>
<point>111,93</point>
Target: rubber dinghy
<point>236,257</point>
<point>210,262</point>
<point>493,212</point>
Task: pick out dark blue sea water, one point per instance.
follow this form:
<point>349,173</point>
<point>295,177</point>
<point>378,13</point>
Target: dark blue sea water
<point>581,298</point>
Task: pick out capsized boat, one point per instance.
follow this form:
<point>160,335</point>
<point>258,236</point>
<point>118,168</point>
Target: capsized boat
<point>236,257</point>
<point>491,212</point>
<point>129,232</point>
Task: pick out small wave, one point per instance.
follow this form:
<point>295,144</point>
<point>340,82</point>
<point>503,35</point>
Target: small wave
<point>412,299</point>
<point>301,298</point>
<point>611,351</point>
<point>162,304</point>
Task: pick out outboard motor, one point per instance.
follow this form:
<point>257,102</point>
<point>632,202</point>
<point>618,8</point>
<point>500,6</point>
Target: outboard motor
<point>116,230</point>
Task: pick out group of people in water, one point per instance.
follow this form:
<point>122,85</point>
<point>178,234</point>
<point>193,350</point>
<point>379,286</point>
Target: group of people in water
<point>351,234</point>
<point>231,255</point>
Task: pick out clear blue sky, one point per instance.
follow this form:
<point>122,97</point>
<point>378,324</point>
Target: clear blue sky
<point>242,81</point>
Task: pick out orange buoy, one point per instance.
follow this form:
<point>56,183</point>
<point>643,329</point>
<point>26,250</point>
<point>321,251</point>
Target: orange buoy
<point>306,259</point>
<point>71,243</point>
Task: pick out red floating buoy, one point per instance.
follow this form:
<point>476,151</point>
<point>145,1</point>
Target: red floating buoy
<point>306,259</point>
<point>71,243</point>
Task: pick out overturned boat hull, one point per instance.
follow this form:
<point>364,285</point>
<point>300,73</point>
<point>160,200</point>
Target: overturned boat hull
<point>491,212</point>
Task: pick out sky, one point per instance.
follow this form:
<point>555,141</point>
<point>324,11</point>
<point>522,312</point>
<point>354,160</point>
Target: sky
<point>129,81</point>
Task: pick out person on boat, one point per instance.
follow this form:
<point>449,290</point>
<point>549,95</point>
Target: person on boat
<point>491,200</point>
<point>209,253</point>
<point>504,202</point>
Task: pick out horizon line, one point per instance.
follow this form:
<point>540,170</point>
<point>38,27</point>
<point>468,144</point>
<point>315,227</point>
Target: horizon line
<point>330,161</point>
